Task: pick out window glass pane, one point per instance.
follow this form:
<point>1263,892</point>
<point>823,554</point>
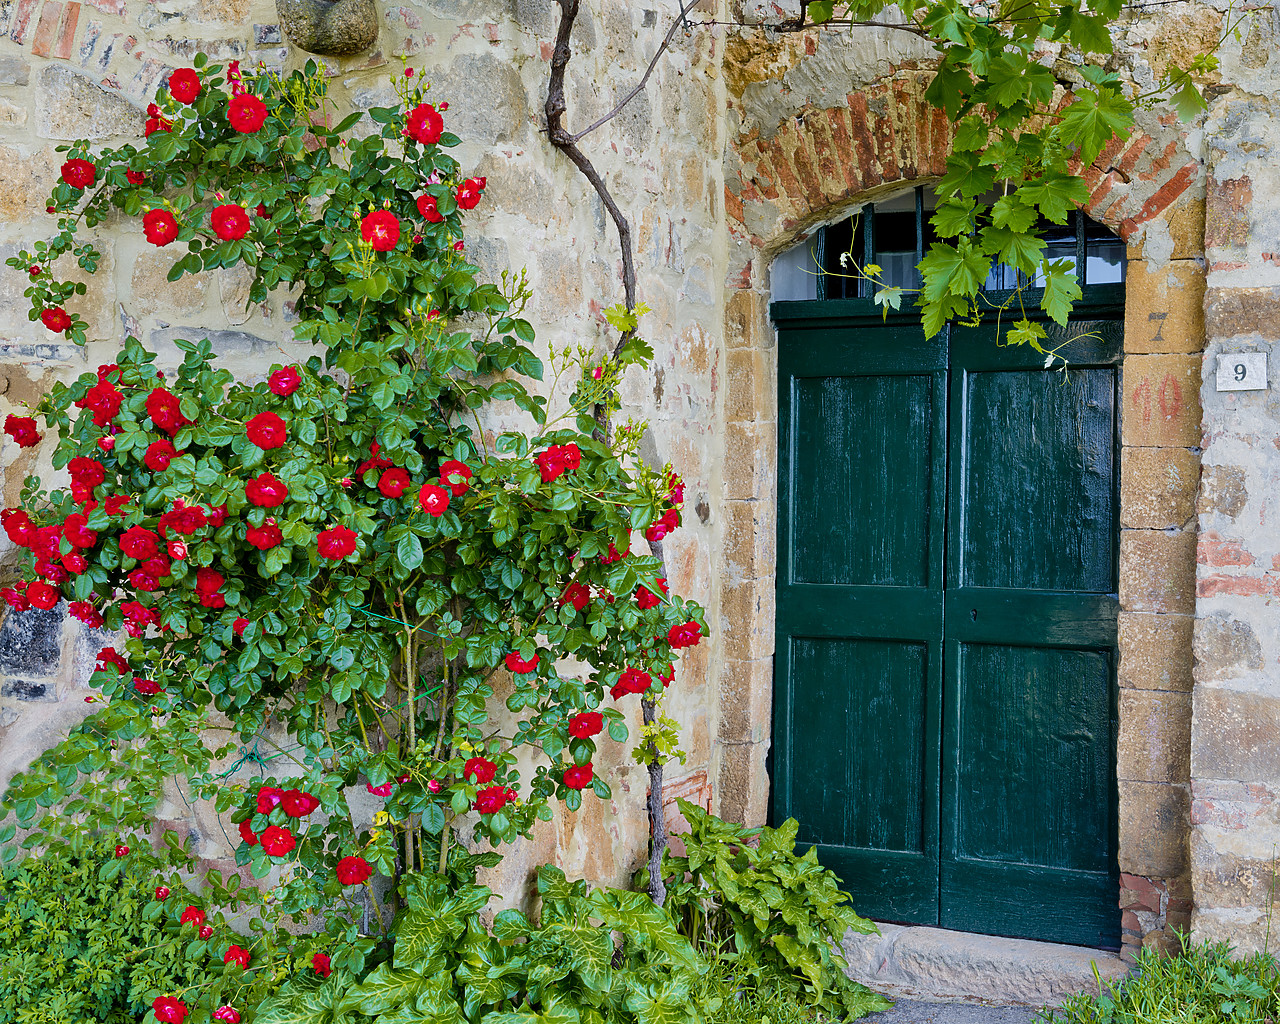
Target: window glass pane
<point>895,248</point>
<point>841,281</point>
<point>794,274</point>
<point>1104,262</point>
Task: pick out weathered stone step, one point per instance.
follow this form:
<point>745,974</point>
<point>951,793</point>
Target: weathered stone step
<point>936,964</point>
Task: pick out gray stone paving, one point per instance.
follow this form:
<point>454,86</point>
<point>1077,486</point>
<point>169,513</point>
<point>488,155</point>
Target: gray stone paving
<point>907,1011</point>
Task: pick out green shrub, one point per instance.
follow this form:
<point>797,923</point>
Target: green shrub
<point>767,913</point>
<point>84,938</point>
<point>1205,984</point>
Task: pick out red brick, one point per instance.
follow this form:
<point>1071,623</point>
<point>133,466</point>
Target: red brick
<point>863,143</point>
<point>46,29</point>
<point>67,37</point>
<point>1212,549</point>
<point>1238,586</point>
<point>21,20</point>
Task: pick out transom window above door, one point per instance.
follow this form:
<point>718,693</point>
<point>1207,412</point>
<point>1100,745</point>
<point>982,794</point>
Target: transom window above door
<point>894,234</point>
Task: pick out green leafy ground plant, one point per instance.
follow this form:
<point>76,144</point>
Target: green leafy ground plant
<point>1204,984</point>
<point>745,896</point>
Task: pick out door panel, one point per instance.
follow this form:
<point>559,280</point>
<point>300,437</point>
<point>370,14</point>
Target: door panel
<point>1028,794</point>
<point>862,482</point>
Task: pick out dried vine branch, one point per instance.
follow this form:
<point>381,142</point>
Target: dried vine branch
<point>567,143</point>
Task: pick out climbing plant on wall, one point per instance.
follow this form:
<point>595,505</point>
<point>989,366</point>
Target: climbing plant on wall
<point>332,569</point>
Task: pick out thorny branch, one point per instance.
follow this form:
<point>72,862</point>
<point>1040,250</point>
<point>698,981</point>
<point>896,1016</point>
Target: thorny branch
<point>568,144</point>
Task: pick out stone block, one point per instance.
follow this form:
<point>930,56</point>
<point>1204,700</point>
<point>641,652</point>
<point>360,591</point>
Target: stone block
<point>1222,490</point>
<point>1185,220</point>
<point>742,785</point>
<point>1233,735</point>
<point>746,320</point>
<point>750,528</point>
<point>751,386</point>
<point>1157,571</point>
<point>750,460</point>
<point>151,291</point>
<point>1225,648</point>
<point>496,113</point>
<point>1161,401</point>
<point>935,964</point>
<point>14,71</point>
<point>746,701</point>
<point>1226,878</point>
<point>1154,822</point>
<point>1242,312</point>
<point>225,344</point>
<point>71,106</point>
<point>1155,651</point>
<point>12,115</point>
<point>31,643</point>
<point>1246,931</point>
<point>25,186</point>
<point>1155,736</point>
<point>747,619</point>
<point>1164,307</point>
<point>1158,487</point>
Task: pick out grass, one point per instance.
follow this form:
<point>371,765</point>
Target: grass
<point>1205,984</point>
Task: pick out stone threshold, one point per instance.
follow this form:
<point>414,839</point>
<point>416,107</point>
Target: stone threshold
<point>938,965</point>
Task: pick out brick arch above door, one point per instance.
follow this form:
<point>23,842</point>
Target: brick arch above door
<point>813,169</point>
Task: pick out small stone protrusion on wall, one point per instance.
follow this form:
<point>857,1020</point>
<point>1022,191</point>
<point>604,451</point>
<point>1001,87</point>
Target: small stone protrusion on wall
<point>769,12</point>
<point>330,28</point>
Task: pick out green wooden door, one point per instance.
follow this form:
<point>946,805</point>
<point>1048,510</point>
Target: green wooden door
<point>945,667</point>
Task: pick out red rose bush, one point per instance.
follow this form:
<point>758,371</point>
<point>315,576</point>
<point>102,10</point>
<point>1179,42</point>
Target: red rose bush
<point>333,549</point>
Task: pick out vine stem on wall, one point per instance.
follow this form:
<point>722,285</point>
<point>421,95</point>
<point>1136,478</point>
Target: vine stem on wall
<point>567,143</point>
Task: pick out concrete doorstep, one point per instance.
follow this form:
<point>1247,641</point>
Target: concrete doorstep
<point>936,965</point>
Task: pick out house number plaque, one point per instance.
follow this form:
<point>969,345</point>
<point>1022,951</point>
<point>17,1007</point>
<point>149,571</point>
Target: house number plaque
<point>1242,371</point>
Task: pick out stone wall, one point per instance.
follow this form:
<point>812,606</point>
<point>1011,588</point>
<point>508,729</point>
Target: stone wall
<point>70,70</point>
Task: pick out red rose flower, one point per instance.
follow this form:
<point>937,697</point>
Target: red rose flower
<point>107,443</point>
<point>192,915</point>
<point>42,595</point>
<point>238,627</point>
<point>169,1009</point>
<point>264,537</point>
<point>550,463</point>
<point>246,113</point>
<point>375,461</point>
<point>159,454</point>
<point>468,194</point>
<point>160,227</point>
<point>383,790</point>
<point>265,491</point>
<point>394,482</point>
<point>79,173</point>
<point>665,524</point>
<point>139,542</point>
<point>227,1013</point>
<point>247,834</point>
<point>56,319</point>
<point>217,516</point>
<point>276,841</point>
<point>165,410</point>
<point>177,549</point>
<point>298,804</point>
<point>269,798</point>
<point>586,724</point>
<point>209,581</point>
<point>632,680</point>
<point>22,429</point>
<point>147,687</point>
<point>576,594</point>
<point>19,527</point>
<point>646,598</point>
<point>134,177</point>
<point>16,598</point>
<point>427,207</point>
<point>162,893</point>
<point>103,400</point>
<point>687,634</point>
<point>122,851</point>
<point>76,531</point>
<point>424,124</point>
<point>493,799</point>
<point>182,518</point>
<point>320,962</point>
<point>517,664</point>
<point>229,221</point>
<point>205,932</point>
<point>456,476</point>
<point>336,543</point>
<point>110,657</point>
<point>434,500</point>
<point>267,431</point>
<point>353,870</point>
<point>84,611</point>
<point>237,955</point>
<point>579,776</point>
<point>381,229</point>
<point>284,381</point>
<point>482,768</point>
<point>184,85</point>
